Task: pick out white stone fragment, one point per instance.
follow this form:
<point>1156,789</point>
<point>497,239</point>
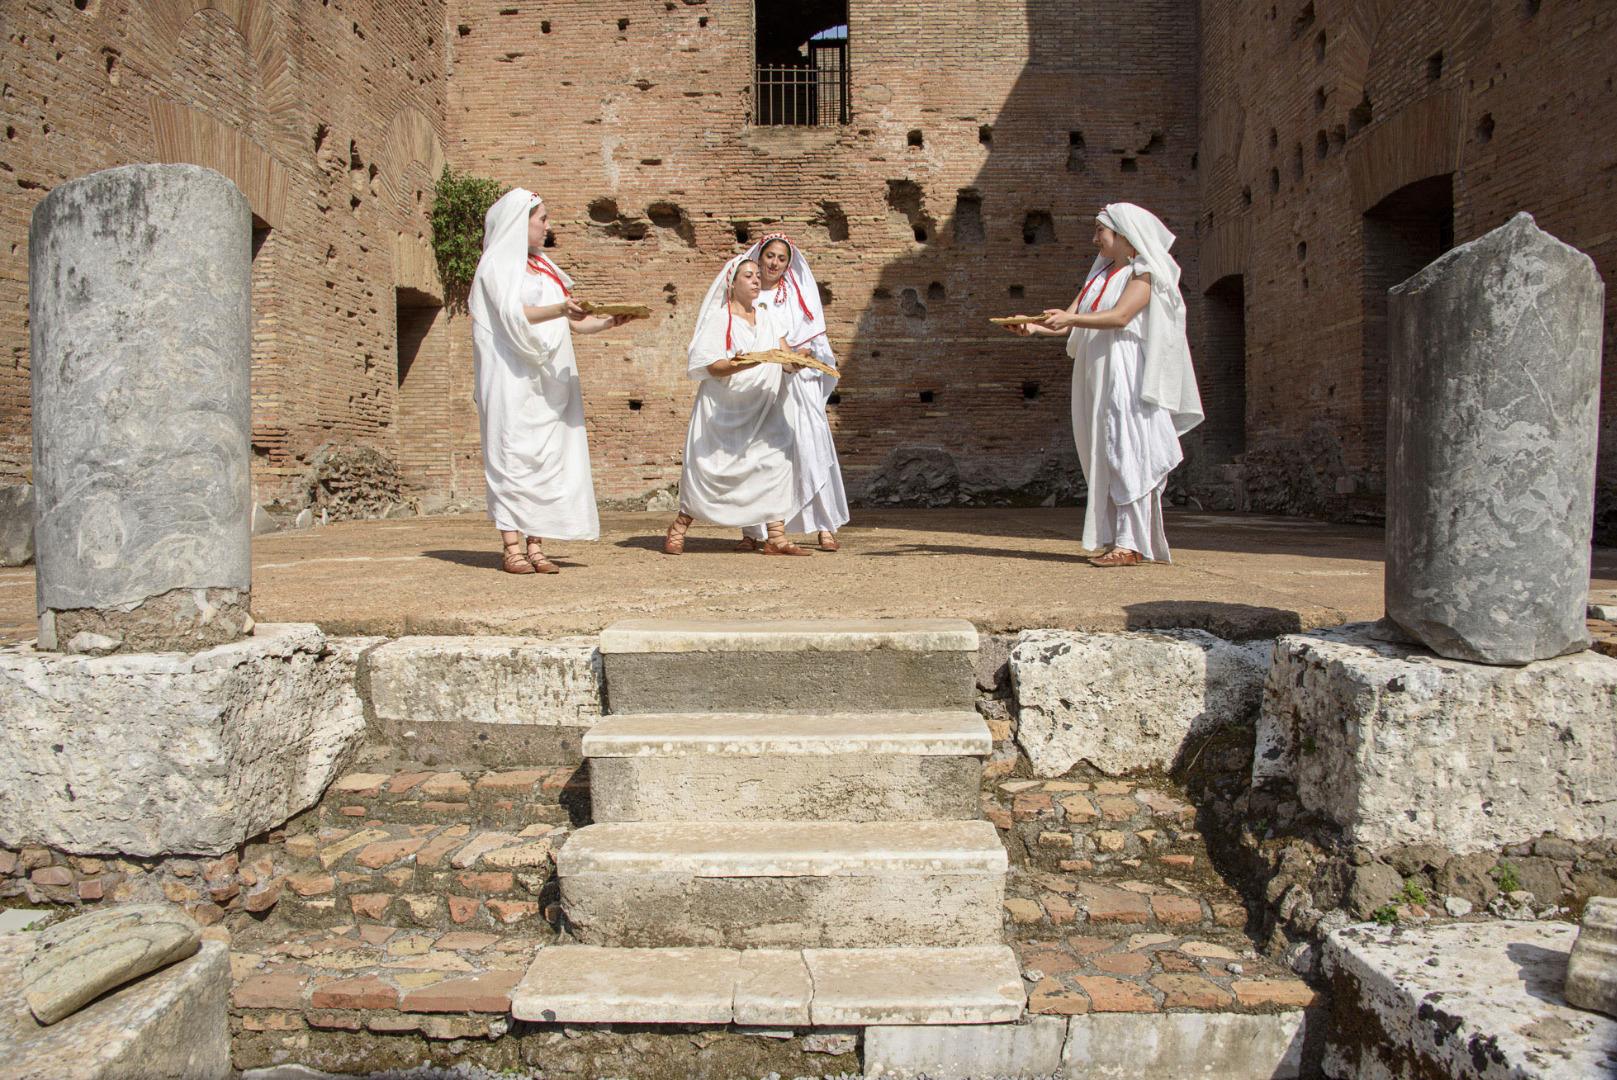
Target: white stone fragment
<point>172,753</point>
<point>583,984</point>
<point>1128,702</point>
<point>1399,746</point>
<point>486,680</point>
<point>972,985</point>
<point>1186,1046</point>
<point>1490,1008</point>
<point>965,1051</point>
<point>788,635</point>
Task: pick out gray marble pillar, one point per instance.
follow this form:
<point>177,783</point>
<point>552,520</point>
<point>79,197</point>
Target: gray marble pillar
<point>139,283</point>
<point>1493,403</point>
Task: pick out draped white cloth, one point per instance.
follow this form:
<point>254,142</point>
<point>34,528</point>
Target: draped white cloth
<point>738,464</point>
<point>1126,444</point>
<point>530,407</point>
<point>795,306</point>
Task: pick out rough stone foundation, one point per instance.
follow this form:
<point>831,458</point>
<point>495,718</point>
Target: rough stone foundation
<point>184,620</point>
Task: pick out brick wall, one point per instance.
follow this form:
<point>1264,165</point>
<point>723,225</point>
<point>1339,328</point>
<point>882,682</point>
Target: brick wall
<point>1037,111</point>
<point>325,114</point>
<point>1319,123</point>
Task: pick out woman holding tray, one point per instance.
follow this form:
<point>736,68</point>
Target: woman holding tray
<point>531,413</point>
<point>792,297</point>
<point>1133,387</point>
<point>738,464</point>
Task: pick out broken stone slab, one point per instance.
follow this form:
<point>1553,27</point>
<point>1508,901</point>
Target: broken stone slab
<point>842,665</point>
<point>1591,974</point>
<point>172,1024</point>
<point>1195,1046</point>
<point>16,524</point>
<point>486,699</point>
<point>1128,702</point>
<point>965,1051</point>
<point>170,753</point>
<point>1493,410</point>
<point>1475,999</point>
<point>773,989</point>
<point>1398,746</point>
<point>759,766</point>
<point>584,984</point>
<point>980,984</point>
<point>141,349</point>
<point>77,960</point>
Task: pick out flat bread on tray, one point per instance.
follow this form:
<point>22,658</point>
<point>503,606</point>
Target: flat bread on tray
<point>632,311</point>
<point>782,357</point>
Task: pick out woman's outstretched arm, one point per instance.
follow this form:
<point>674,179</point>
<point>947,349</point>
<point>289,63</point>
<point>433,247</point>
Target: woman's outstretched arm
<point>1136,294</point>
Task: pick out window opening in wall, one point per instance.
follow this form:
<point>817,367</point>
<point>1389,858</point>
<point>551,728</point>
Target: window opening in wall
<point>801,58</point>
<point>1221,371</point>
<point>1402,233</point>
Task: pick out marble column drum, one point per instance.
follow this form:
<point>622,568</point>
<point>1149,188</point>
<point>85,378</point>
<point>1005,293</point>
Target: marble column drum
<point>139,304</point>
<point>1493,400</point>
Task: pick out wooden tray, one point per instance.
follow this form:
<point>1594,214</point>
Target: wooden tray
<point>1017,320</point>
<point>632,311</point>
<point>782,357</point>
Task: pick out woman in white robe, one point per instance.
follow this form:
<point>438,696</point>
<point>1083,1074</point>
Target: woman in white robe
<point>738,464</point>
<point>1133,387</point>
<point>792,297</point>
<point>530,410</point>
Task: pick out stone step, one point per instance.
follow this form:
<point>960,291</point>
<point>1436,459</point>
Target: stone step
<point>510,799</point>
<point>583,984</point>
<point>844,665</point>
<point>889,766</point>
<point>784,884</point>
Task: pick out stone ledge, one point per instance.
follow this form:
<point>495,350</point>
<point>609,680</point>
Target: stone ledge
<point>1399,746</point>
<point>787,635</point>
<point>845,987</point>
<point>484,680</point>
<point>1466,999</point>
<point>936,734</point>
<point>172,753</point>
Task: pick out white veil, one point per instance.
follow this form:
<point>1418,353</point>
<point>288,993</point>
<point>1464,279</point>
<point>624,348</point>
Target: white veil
<point>712,340</point>
<point>495,302</point>
<point>1168,379</point>
<point>803,303</point>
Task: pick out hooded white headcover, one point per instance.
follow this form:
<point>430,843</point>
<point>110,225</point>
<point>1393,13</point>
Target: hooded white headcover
<point>712,340</point>
<point>496,295</point>
<point>1167,378</point>
<point>803,304</point>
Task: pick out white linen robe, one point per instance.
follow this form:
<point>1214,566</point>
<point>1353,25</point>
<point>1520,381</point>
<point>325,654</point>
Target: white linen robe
<point>820,495</point>
<point>536,455</point>
<point>738,466</point>
<point>1127,447</point>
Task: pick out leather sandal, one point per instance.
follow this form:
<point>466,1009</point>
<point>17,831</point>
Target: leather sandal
<point>541,564</point>
<point>777,544</point>
<point>828,541</point>
<point>674,538</point>
<point>516,561</point>
<point>747,543</point>
<point>1118,557</point>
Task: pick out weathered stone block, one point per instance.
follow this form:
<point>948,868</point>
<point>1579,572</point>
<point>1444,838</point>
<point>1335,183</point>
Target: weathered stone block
<point>481,699</point>
<point>1214,1046</point>
<point>1493,408</point>
<point>139,284</point>
<point>1128,702</point>
<point>1591,973</point>
<point>16,524</point>
<point>171,1025</point>
<point>965,1051</point>
<point>1398,746</point>
<point>169,753</point>
<point>1464,999</point>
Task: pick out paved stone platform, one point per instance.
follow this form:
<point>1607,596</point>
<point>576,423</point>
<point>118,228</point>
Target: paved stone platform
<point>1233,574</point>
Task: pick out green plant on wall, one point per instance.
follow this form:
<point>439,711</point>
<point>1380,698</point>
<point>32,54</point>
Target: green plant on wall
<point>459,203</point>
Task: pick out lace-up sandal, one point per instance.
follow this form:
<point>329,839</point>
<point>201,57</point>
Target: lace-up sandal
<point>747,543</point>
<point>674,538</point>
<point>1118,557</point>
<point>515,561</point>
<point>777,544</point>
<point>828,541</point>
<point>541,564</point>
